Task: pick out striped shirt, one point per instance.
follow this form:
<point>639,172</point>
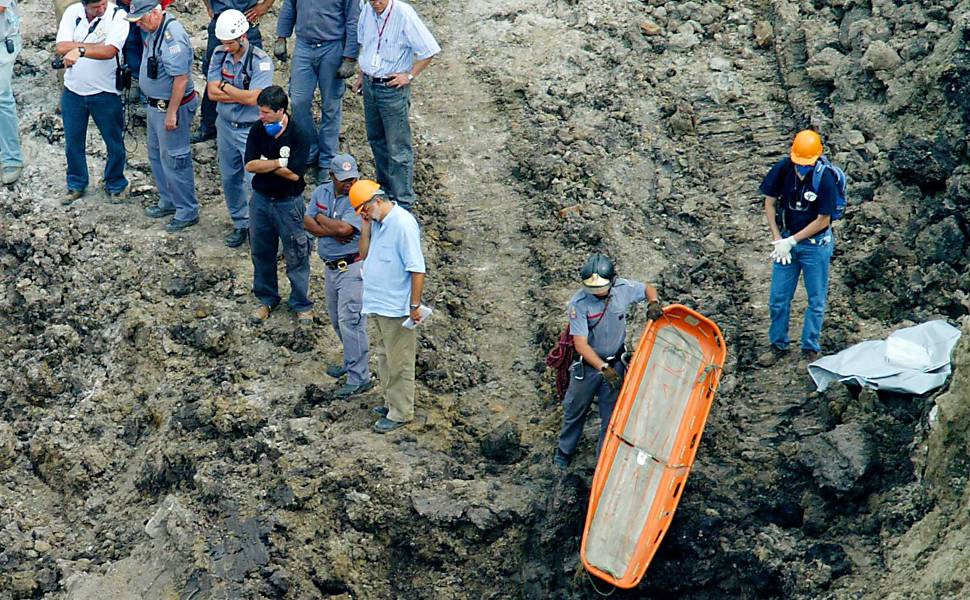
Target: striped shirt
<point>392,41</point>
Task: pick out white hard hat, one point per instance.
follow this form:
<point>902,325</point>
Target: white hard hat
<point>231,25</point>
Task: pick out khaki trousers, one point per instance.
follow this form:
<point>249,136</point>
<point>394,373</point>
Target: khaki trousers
<point>396,350</point>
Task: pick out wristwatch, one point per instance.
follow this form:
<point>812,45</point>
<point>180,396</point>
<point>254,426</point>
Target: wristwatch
<point>81,50</point>
<point>410,77</point>
<point>413,306</point>
<point>222,85</point>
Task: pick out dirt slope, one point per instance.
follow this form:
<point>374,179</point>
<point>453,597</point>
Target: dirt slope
<point>154,444</point>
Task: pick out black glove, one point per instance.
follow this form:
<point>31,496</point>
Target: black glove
<point>654,310</point>
<point>347,69</point>
<point>279,50</point>
<point>612,377</point>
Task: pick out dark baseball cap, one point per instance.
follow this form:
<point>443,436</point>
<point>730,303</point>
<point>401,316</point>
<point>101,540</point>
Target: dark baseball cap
<point>140,8</point>
<point>344,167</point>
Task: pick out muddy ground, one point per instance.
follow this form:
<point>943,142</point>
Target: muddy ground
<point>154,444</point>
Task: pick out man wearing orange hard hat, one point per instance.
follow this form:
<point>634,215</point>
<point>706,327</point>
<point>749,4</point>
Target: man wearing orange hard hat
<point>799,207</point>
<point>393,274</point>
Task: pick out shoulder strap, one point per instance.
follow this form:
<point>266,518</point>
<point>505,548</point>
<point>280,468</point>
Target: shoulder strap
<point>161,35</point>
<point>606,306</point>
<point>248,67</point>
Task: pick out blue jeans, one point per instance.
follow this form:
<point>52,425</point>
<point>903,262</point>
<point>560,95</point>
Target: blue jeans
<point>171,159</point>
<point>208,121</point>
<point>389,133</point>
<point>810,258</point>
<point>10,154</point>
<point>106,110</point>
<point>236,181</point>
<point>315,66</point>
<point>272,221</point>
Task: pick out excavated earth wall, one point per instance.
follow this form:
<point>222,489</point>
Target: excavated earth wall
<point>154,444</point>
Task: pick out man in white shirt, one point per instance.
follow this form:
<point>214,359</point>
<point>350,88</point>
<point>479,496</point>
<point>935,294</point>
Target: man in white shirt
<point>90,37</point>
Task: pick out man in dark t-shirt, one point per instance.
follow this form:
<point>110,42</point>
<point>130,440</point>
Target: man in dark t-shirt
<point>276,154</point>
<point>800,219</point>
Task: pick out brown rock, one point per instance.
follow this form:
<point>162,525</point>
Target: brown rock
<point>650,28</point>
<point>763,33</point>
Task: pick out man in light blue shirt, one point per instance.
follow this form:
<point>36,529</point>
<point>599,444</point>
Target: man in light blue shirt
<point>395,46</point>
<point>324,55</point>
<point>11,158</point>
<point>393,273</point>
<point>238,72</point>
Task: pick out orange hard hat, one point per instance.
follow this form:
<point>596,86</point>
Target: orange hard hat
<point>362,191</point>
<point>806,148</point>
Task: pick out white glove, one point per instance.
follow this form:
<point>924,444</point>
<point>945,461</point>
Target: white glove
<point>785,245</point>
<point>783,258</point>
<point>283,161</point>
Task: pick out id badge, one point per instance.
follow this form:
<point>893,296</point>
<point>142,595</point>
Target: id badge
<point>376,61</point>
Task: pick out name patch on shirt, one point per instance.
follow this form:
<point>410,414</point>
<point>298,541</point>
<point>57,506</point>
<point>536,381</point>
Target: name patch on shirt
<point>265,66</point>
<point>175,48</point>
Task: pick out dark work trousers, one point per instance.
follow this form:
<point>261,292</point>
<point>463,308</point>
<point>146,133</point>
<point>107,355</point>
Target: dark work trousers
<point>585,383</point>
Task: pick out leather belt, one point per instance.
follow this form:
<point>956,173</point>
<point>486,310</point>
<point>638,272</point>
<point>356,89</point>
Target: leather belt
<point>163,104</point>
<point>343,263</point>
<point>240,124</point>
<point>379,80</point>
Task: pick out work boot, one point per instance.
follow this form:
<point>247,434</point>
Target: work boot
<point>352,389</point>
<point>809,356</point>
<point>380,410</point>
<point>117,197</point>
<point>11,174</point>
<point>385,425</point>
<point>261,314</point>
<point>237,238</point>
<point>201,135</point>
<point>769,358</point>
<point>561,459</point>
<point>176,225</point>
<point>73,195</point>
<point>157,212</point>
<point>305,318</point>
<point>336,371</point>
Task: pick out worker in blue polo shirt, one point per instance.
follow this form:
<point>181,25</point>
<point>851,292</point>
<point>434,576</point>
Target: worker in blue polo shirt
<point>254,11</point>
<point>324,55</point>
<point>597,322</point>
<point>332,219</point>
<point>802,243</point>
<point>395,47</point>
<point>238,72</point>
<point>166,81</point>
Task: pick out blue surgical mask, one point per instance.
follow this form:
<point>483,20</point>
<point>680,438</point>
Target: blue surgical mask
<point>804,170</point>
<point>273,128</point>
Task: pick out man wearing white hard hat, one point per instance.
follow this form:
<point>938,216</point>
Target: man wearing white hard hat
<point>238,72</point>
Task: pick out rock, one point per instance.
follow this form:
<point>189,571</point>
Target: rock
<point>8,445</point>
<point>719,63</point>
<point>713,244</point>
<point>503,444</point>
<point>684,39</point>
<point>724,88</point>
<point>650,28</point>
<point>683,120</point>
<point>824,66</point>
<point>855,138</point>
<point>927,163</point>
<point>763,34</point>
<point>839,459</point>
<point>942,242</point>
<point>880,56</point>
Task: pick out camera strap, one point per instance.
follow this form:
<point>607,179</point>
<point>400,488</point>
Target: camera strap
<point>157,46</point>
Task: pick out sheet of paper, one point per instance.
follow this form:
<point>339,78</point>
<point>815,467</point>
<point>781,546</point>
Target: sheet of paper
<point>425,312</point>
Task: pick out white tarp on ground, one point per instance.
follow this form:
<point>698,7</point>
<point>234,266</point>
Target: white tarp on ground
<point>913,360</point>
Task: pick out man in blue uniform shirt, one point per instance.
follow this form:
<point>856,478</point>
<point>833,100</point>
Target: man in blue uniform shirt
<point>254,10</point>
<point>332,219</point>
<point>395,46</point>
<point>324,55</point>
<point>597,322</point>
<point>802,243</point>
<point>166,80</point>
<point>238,72</point>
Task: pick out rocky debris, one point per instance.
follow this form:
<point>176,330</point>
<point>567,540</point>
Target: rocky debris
<point>8,445</point>
<point>840,459</point>
<point>503,444</point>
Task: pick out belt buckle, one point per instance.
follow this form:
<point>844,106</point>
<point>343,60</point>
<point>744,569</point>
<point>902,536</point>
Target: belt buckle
<point>342,265</point>
<point>162,105</point>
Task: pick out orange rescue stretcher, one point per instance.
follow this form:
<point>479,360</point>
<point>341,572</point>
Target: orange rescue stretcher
<point>651,443</point>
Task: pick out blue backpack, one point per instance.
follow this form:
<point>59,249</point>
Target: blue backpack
<point>840,184</point>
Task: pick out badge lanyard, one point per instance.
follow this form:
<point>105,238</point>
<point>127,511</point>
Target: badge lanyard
<point>381,28</point>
